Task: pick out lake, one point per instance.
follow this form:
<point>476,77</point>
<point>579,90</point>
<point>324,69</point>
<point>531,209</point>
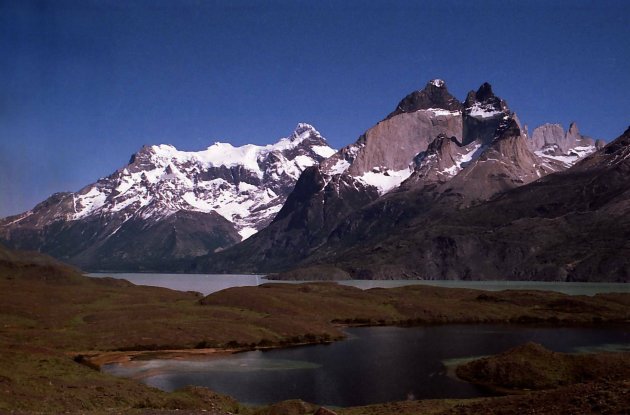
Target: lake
<point>209,283</point>
<point>375,364</point>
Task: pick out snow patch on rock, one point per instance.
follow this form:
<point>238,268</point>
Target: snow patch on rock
<point>479,110</point>
<point>567,160</point>
<point>385,180</point>
<point>443,112</point>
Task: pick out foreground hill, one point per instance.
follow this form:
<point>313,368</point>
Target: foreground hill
<point>57,325</point>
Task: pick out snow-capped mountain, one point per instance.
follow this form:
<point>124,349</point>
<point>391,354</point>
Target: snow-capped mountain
<point>382,157</point>
<point>238,189</point>
<point>176,210</point>
<point>568,226</point>
<point>246,185</point>
<point>431,144</point>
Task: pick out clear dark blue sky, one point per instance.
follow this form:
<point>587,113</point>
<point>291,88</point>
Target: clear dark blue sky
<point>86,83</point>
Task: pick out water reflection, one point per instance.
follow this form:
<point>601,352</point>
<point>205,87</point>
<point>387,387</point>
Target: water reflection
<point>378,364</point>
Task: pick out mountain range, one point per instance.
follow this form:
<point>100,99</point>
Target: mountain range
<point>438,189</point>
<point>167,205</point>
<point>461,158</point>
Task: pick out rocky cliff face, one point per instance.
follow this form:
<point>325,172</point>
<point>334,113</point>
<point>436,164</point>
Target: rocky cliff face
<point>441,161</point>
<point>504,164</point>
<point>169,205</point>
<point>382,157</point>
<point>425,167</point>
<point>483,112</point>
<point>431,151</point>
<point>559,149</point>
<point>359,173</point>
<point>310,213</point>
<point>567,226</point>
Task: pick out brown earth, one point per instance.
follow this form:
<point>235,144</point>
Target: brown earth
<point>532,367</point>
<point>594,398</point>
<point>52,319</point>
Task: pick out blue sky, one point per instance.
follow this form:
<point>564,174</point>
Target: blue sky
<point>87,83</point>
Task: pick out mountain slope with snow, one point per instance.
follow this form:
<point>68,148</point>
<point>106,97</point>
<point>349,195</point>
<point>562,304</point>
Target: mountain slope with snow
<point>431,150</point>
<point>567,226</point>
<point>297,200</point>
<point>230,192</point>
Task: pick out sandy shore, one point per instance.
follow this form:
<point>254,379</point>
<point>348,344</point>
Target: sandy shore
<point>98,359</point>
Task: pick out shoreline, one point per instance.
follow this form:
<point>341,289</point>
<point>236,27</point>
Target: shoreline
<point>125,358</point>
<point>97,359</point>
<point>102,321</point>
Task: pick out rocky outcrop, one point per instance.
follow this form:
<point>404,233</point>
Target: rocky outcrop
<point>435,95</point>
<point>505,164</point>
<point>356,175</point>
<point>381,157</point>
<point>421,165</point>
<point>552,134</point>
<point>560,150</point>
<point>569,226</point>
<point>443,159</point>
<point>483,112</point>
<point>392,143</point>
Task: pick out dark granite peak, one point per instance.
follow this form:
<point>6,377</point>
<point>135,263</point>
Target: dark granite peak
<point>434,95</point>
<point>485,97</point>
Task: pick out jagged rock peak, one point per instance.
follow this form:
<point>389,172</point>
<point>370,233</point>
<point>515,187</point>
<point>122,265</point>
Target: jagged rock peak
<point>485,92</point>
<point>303,131</point>
<point>551,137</point>
<point>484,103</point>
<point>435,95</point>
<point>573,134</point>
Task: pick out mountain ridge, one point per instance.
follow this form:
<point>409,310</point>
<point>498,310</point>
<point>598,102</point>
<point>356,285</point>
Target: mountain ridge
<point>300,203</point>
<point>176,204</point>
<point>449,168</point>
<point>567,226</point>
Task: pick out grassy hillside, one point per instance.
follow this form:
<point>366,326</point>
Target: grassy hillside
<point>52,318</point>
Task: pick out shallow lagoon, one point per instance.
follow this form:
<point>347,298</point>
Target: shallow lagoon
<point>375,364</point>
